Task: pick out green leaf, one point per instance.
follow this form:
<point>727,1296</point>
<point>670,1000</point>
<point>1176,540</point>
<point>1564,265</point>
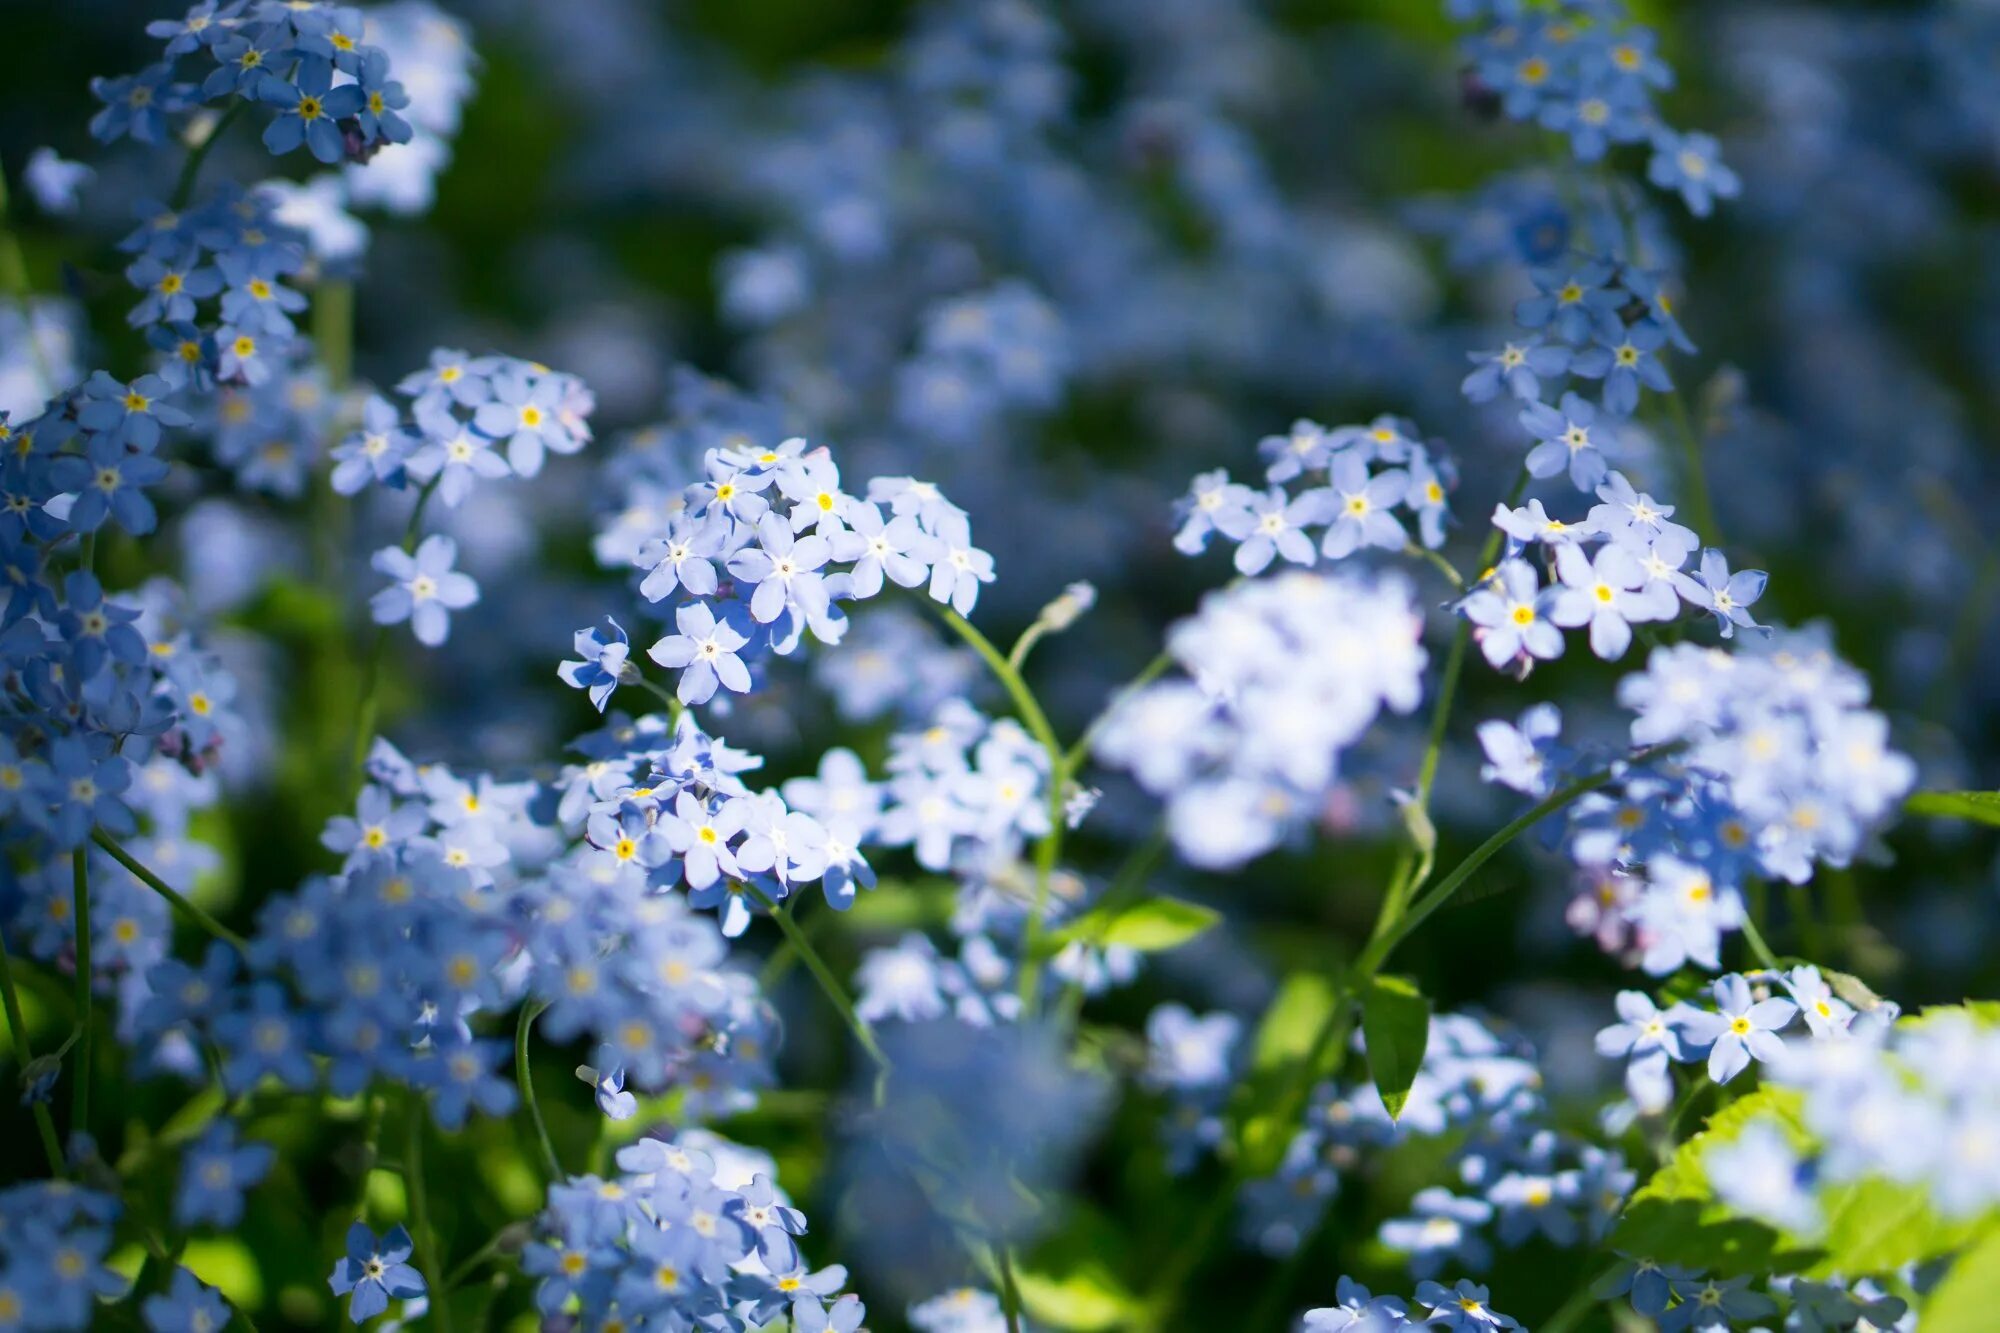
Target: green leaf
<point>1085,1299</point>
<point>1965,1301</point>
<point>1153,925</point>
<point>1293,1021</point>
<point>1868,1227</point>
<point>1676,1218</point>
<point>1981,807</point>
<point>1301,1010</point>
<point>1396,1023</point>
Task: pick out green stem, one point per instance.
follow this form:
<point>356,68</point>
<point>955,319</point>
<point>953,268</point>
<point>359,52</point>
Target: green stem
<point>24,1055</point>
<point>1437,561</point>
<point>1755,939</point>
<point>420,1214</point>
<point>479,1256</point>
<point>1152,671</point>
<point>836,994</point>
<point>1125,883</point>
<point>191,168</point>
<point>1697,474</point>
<point>1698,1087</point>
<point>1572,1311</point>
<point>1010,1290</point>
<point>1422,908</point>
<point>161,887</point>
<point>333,331</point>
<point>1049,848</point>
<point>524,1077</point>
<point>79,1109</point>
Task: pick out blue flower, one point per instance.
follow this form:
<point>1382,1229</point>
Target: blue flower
<point>382,98</point>
<point>1519,368</point>
<point>1625,359</point>
<point>426,590</point>
<point>188,1306</point>
<point>1565,442</point>
<point>1360,508</point>
<point>1574,307</point>
<point>1728,597</point>
<point>1511,613</point>
<point>215,1173</point>
<point>1462,1308</point>
<point>1692,164</point>
<point>1743,1028</point>
<point>1715,1303</point>
<point>602,662</point>
<point>375,1270</point>
<point>376,452</point>
<point>705,653</point>
<point>138,104</point>
<point>309,109</point>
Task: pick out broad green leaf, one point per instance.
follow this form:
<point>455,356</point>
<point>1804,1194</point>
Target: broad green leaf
<point>1085,1299</point>
<point>1868,1227</point>
<point>1289,1033</point>
<point>1982,807</point>
<point>1293,1021</point>
<point>1396,1023</point>
<point>1968,1298</point>
<point>1676,1218</point>
<point>1152,925</point>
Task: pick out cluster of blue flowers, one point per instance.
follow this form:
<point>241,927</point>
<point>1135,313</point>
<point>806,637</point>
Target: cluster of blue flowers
<point>1284,674</point>
<point>305,63</point>
<point>941,256</point>
<point>52,1251</point>
<point>1369,472</point>
<point>1483,1092</point>
<point>681,1239</point>
<point>1742,1027</point>
<point>1461,1306</point>
<point>1583,69</point>
<point>743,563</point>
<point>1910,1103</point>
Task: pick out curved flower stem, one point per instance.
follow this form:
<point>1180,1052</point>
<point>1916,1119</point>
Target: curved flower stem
<point>420,1215</point>
<point>1152,671</point>
<point>1010,1290</point>
<point>1697,475</point>
<point>191,168</point>
<point>1572,1311</point>
<point>824,975</point>
<point>1421,909</point>
<point>79,1107</point>
<point>1755,939</point>
<point>24,1055</point>
<point>165,890</point>
<point>1049,848</point>
<point>524,1078</point>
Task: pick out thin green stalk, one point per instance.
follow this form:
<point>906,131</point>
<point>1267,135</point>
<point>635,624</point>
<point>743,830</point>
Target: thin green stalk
<point>1421,909</point>
<point>1695,1089</point>
<point>420,1214</point>
<point>191,168</point>
<point>1049,848</point>
<point>24,1055</point>
<point>1010,1290</point>
<point>524,1077</point>
<point>79,1107</point>
<point>1755,939</point>
<point>1697,473</point>
<point>836,994</point>
<point>333,330</point>
<point>471,1262</point>
<point>1125,883</point>
<point>1152,671</point>
<point>157,885</point>
<point>1571,1312</point>
<point>1437,561</point>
